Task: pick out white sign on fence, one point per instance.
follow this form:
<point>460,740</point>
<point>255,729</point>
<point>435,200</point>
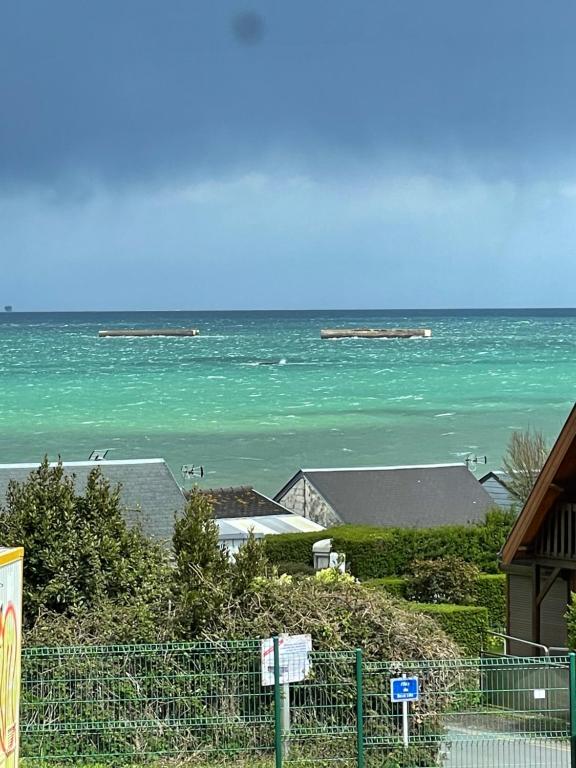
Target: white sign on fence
<point>294,652</point>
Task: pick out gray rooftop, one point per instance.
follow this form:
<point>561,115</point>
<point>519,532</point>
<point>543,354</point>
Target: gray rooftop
<point>242,501</point>
<point>407,496</point>
<point>495,484</point>
<point>150,494</point>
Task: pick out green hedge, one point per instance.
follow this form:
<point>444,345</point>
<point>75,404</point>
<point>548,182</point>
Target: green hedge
<point>465,624</point>
<point>373,553</point>
<point>393,585</point>
<point>294,568</point>
<point>489,593</point>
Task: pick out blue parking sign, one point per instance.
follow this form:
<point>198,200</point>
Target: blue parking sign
<point>404,689</point>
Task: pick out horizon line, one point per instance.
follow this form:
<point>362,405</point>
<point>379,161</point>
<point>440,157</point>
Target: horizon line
<point>286,309</point>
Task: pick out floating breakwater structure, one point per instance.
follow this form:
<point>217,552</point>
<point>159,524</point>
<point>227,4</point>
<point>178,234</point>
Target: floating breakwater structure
<point>145,332</point>
<point>374,333</point>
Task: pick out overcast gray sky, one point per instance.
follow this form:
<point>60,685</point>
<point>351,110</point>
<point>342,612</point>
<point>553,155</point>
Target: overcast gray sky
<point>187,154</point>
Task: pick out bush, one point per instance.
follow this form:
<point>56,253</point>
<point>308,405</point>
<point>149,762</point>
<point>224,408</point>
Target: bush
<point>449,580</point>
<point>204,578</point>
<point>570,616</point>
<point>294,568</point>
<point>202,572</point>
<point>250,563</point>
<point>467,625</point>
<point>490,593</point>
<point>293,547</point>
<point>342,616</point>
<point>108,623</point>
<point>373,553</point>
<point>392,585</point>
<point>79,553</point>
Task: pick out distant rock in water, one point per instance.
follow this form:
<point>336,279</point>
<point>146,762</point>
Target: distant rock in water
<point>8,308</point>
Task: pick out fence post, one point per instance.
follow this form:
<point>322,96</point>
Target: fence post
<point>360,710</point>
<point>573,710</point>
<point>277,706</point>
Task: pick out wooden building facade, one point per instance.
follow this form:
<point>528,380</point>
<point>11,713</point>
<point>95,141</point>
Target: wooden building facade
<point>539,556</point>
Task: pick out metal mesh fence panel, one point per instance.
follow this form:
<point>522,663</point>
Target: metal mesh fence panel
<point>472,713</point>
<point>205,704</point>
<point>133,703</point>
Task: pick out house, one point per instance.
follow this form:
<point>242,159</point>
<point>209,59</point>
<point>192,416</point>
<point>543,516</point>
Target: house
<point>149,493</point>
<point>239,511</point>
<point>234,531</point>
<point>242,501</point>
<point>405,496</point>
<point>495,484</point>
<point>539,556</point>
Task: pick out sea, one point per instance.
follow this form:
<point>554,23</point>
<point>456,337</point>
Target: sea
<point>258,395</point>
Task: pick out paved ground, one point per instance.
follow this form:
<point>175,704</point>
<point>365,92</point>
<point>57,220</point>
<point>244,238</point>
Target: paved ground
<point>482,749</point>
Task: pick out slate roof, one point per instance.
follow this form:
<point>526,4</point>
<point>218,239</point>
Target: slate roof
<point>150,494</point>
<point>495,484</point>
<point>243,501</point>
<point>404,496</point>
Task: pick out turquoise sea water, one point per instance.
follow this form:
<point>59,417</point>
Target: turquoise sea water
<point>258,394</point>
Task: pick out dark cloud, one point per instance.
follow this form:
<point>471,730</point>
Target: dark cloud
<point>128,91</point>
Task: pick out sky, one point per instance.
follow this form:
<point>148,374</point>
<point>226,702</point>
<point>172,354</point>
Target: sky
<point>192,154</point>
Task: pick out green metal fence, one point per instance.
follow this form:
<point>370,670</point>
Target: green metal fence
<point>206,704</point>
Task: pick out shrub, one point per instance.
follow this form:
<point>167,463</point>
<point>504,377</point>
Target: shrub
<point>570,616</point>
<point>250,563</point>
<point>204,579</point>
<point>373,553</point>
<point>393,585</point>
<point>467,625</point>
<point>449,580</point>
<point>334,576</point>
<point>293,547</point>
<point>342,616</point>
<point>490,593</point>
<point>202,574</point>
<point>108,623</point>
<point>79,551</point>
<point>294,568</point>
<point>329,608</point>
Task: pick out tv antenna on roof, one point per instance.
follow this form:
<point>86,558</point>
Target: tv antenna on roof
<point>189,471</point>
<point>475,460</point>
<point>98,455</point>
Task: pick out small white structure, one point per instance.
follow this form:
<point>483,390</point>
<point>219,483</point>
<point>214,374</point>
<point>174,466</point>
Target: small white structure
<point>234,531</point>
<point>325,558</point>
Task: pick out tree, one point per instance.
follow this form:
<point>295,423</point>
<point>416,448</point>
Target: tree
<point>79,552</point>
<point>202,569</point>
<point>525,455</point>
<point>250,563</point>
